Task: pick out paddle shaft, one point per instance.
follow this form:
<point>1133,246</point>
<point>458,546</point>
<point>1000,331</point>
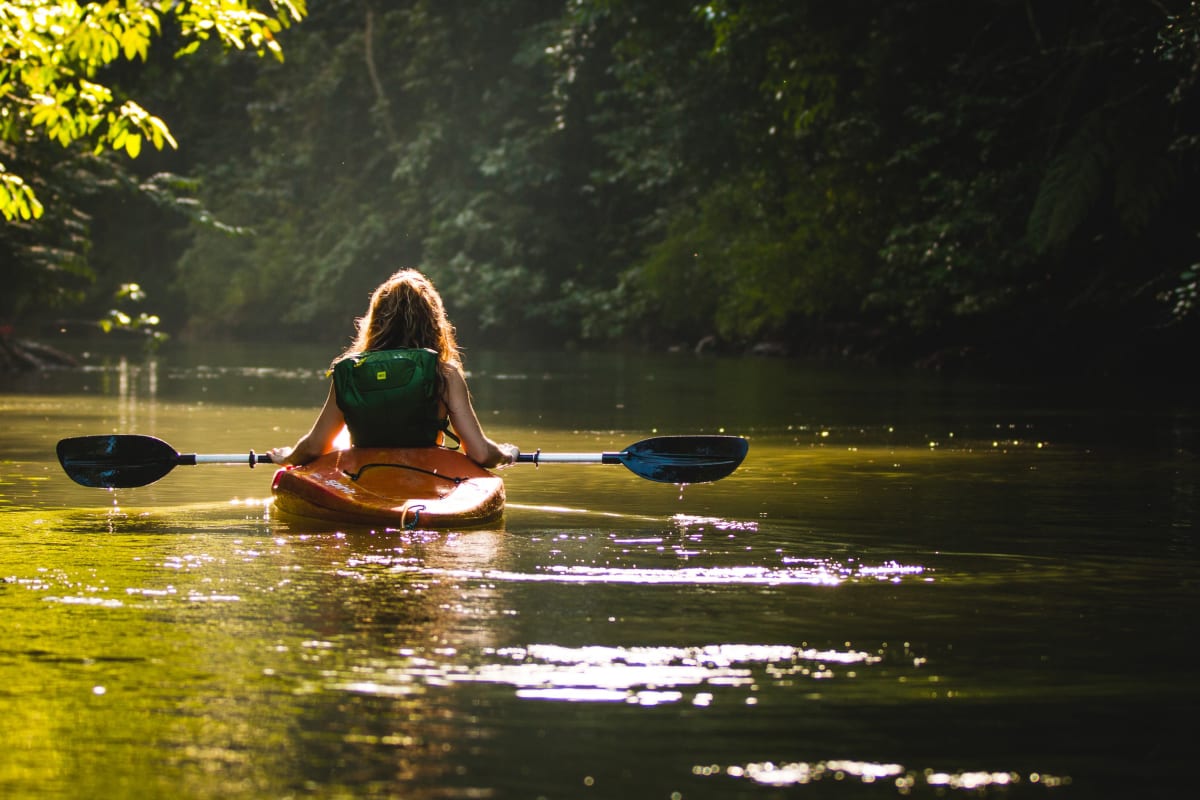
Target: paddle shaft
<point>191,459</point>
<point>569,458</point>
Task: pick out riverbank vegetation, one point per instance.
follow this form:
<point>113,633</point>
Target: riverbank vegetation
<point>996,185</point>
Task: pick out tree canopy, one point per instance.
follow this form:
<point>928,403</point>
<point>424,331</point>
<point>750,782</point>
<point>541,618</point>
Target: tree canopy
<point>892,180</point>
<point>52,54</point>
<point>61,118</point>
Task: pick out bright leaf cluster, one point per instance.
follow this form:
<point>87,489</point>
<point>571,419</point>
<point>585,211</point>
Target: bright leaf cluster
<point>51,54</point>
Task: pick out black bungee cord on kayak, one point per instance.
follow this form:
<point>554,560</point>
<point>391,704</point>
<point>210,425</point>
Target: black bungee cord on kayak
<point>354,476</point>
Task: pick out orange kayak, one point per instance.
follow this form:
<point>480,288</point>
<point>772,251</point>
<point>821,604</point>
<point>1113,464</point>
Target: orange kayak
<point>419,487</point>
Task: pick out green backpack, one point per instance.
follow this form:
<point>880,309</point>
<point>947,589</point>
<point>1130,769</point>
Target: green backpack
<point>388,398</point>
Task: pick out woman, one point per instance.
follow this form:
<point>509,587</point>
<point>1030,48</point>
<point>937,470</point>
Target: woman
<point>400,383</point>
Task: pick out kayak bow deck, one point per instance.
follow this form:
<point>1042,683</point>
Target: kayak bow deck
<point>420,487</point>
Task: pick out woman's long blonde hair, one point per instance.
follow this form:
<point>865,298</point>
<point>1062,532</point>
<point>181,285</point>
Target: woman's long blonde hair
<point>407,311</point>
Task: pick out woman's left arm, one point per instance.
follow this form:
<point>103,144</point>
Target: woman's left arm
<point>476,444</point>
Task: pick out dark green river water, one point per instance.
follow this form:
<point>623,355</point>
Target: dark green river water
<point>913,587</point>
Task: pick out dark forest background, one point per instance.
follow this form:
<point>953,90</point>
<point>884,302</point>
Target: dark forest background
<point>995,184</point>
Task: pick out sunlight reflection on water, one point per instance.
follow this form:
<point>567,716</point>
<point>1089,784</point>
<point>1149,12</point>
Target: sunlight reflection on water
<point>820,574</point>
<point>799,773</point>
<point>635,675</point>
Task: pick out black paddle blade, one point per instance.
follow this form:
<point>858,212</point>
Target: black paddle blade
<point>685,459</point>
<point>117,461</point>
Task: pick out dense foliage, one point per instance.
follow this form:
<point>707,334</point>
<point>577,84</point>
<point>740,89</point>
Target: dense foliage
<point>61,119</point>
<point>997,179</point>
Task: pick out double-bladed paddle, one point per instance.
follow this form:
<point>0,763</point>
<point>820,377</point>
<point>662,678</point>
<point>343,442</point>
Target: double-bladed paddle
<point>122,461</point>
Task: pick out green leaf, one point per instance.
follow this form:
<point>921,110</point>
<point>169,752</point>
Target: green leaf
<point>1071,187</point>
<point>135,44</point>
<point>161,134</point>
<point>17,199</point>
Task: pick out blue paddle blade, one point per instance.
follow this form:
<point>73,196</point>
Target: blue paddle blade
<point>117,461</point>
<point>685,459</point>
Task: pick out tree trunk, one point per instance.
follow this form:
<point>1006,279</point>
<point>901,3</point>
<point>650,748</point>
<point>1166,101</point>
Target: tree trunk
<point>22,355</point>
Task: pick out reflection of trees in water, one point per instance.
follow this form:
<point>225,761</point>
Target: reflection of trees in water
<point>135,386</point>
<point>374,708</point>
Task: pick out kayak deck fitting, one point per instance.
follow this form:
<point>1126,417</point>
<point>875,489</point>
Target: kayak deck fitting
<point>417,487</point>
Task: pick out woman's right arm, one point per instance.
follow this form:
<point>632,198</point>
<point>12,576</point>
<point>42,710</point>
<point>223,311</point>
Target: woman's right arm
<point>319,439</point>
